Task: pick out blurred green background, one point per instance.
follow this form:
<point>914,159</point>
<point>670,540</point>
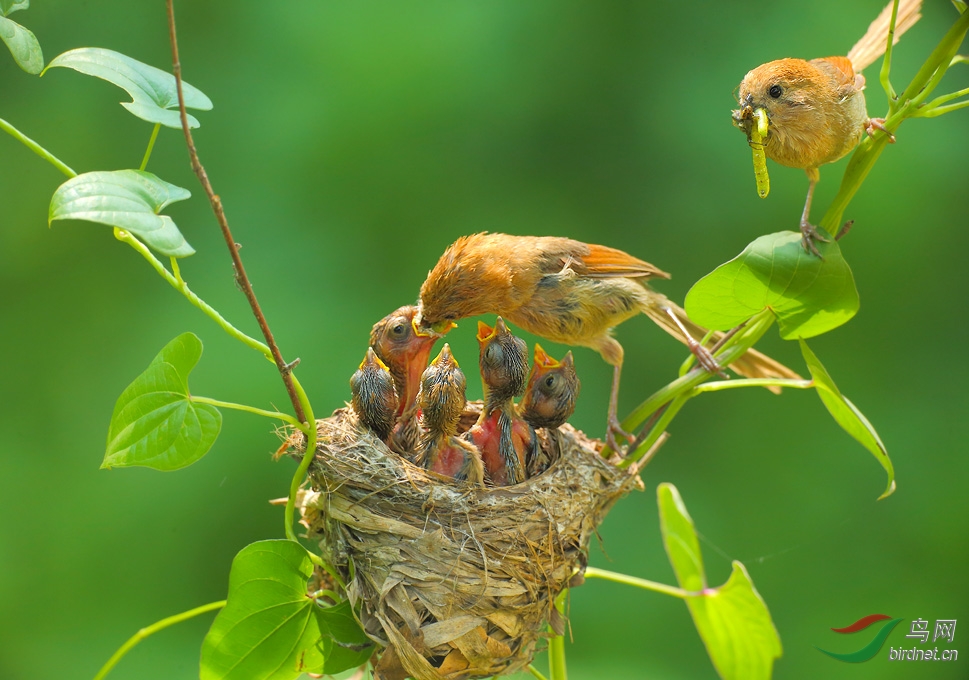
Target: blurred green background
<point>351,143</point>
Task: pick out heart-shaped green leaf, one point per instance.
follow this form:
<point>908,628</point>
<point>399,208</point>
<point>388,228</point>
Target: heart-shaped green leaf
<point>155,423</point>
<point>345,646</point>
<point>127,199</point>
<point>808,295</point>
<point>23,45</point>
<point>847,415</point>
<point>732,620</point>
<point>270,629</point>
<point>8,7</point>
<point>152,90</point>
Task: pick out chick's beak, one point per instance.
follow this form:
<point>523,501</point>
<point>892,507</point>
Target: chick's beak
<point>445,357</point>
<point>486,332</point>
<point>543,360</point>
<point>372,359</point>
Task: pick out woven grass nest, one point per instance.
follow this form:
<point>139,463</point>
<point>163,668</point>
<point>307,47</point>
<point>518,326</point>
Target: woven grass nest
<point>454,581</point>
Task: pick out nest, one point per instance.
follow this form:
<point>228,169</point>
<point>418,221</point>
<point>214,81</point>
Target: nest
<point>455,581</point>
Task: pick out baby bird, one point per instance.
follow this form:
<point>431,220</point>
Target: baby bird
<point>550,396</point>
<point>816,109</point>
<point>503,438</point>
<point>374,398</point>
<point>405,350</point>
<point>441,400</point>
<point>552,390</point>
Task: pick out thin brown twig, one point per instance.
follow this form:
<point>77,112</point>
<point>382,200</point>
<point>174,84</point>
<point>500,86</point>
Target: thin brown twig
<point>240,272</point>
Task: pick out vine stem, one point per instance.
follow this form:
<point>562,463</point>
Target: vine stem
<point>152,629</point>
<point>535,672</point>
<point>285,370</point>
<point>592,572</point>
<point>178,283</point>
<point>151,145</point>
<point>556,646</point>
<point>735,347</point>
<point>36,148</point>
<point>285,417</point>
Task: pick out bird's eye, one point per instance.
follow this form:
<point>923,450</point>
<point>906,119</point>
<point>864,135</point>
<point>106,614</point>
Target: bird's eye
<point>399,330</point>
<point>550,381</point>
<point>493,353</point>
<point>775,91</point>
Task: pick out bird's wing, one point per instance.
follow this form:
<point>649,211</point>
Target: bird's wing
<point>606,262</point>
<point>839,67</point>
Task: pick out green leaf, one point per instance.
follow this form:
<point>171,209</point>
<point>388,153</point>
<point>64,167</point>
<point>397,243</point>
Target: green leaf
<point>848,416</point>
<point>127,199</point>
<point>808,295</point>
<point>153,93</point>
<point>732,620</point>
<point>346,646</point>
<point>8,7</point>
<point>155,424</point>
<point>680,539</point>
<point>270,628</point>
<point>736,628</point>
<point>23,45</point>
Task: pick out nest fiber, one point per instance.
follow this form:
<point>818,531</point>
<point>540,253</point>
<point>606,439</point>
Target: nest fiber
<point>454,581</point>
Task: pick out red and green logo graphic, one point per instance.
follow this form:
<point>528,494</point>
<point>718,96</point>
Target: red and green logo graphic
<point>872,648</point>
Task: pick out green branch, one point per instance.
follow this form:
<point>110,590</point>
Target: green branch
<point>176,281</point>
<point>910,104</point>
<point>556,646</point>
<point>592,572</point>
<point>720,385</point>
<point>36,148</point>
<point>152,629</point>
<point>285,417</point>
<point>732,350</point>
<point>151,145</point>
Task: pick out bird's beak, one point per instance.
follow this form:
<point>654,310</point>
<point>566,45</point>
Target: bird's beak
<point>500,327</point>
<point>445,357</point>
<point>567,360</point>
<point>486,332</point>
<point>371,358</point>
<point>543,360</point>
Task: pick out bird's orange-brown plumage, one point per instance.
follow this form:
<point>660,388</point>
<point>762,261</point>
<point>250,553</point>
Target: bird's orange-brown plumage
<point>816,108</point>
<point>567,291</point>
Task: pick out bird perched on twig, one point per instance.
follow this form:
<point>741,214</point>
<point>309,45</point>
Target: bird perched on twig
<point>374,397</point>
<point>549,401</point>
<point>441,400</point>
<point>564,290</point>
<point>503,438</point>
<point>405,350</point>
<point>816,111</point>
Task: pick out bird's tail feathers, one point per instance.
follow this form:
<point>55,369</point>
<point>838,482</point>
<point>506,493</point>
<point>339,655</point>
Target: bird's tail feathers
<point>753,364</point>
<point>872,45</point>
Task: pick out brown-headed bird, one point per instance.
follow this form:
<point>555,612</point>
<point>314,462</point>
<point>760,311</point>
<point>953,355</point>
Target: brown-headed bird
<point>405,350</point>
<point>503,438</point>
<point>441,400</point>
<point>374,397</point>
<point>564,290</point>
<point>816,111</point>
<point>549,401</point>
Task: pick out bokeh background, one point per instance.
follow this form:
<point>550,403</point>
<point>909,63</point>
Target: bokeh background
<point>351,143</point>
